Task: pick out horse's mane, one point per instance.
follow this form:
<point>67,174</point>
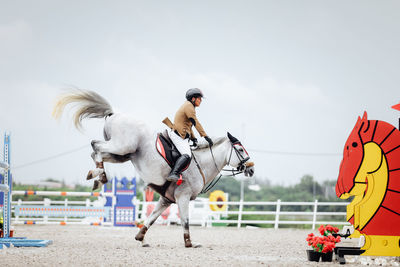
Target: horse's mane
<point>204,144</point>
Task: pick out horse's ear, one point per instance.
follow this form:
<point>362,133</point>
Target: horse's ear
<point>232,138</point>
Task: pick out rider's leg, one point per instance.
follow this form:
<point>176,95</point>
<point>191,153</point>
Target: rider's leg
<point>183,147</point>
<point>180,164</point>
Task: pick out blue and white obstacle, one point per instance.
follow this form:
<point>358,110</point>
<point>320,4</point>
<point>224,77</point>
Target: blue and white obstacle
<point>5,203</point>
<point>122,203</point>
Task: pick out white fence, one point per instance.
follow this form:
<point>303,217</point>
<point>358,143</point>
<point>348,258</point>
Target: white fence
<point>62,211</point>
<point>201,214</point>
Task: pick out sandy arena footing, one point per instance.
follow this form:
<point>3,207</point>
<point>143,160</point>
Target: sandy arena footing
<point>105,246</point>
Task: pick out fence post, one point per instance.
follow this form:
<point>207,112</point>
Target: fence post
<point>239,223</point>
<point>19,204</point>
<point>278,209</point>
<point>315,214</point>
<point>46,203</point>
<point>66,205</point>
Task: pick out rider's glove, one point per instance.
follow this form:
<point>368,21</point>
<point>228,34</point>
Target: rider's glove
<point>208,139</point>
<point>194,140</point>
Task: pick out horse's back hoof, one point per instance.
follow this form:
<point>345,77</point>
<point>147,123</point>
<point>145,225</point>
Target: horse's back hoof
<point>89,175</point>
<point>145,245</point>
<point>196,245</point>
<point>96,185</point>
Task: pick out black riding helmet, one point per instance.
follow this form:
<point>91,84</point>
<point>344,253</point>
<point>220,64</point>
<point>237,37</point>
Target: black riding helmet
<point>193,92</point>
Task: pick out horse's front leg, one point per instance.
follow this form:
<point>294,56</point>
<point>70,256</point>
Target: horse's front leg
<point>162,205</point>
<point>183,205</point>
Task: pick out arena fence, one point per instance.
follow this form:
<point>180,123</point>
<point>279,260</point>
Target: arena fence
<point>268,214</point>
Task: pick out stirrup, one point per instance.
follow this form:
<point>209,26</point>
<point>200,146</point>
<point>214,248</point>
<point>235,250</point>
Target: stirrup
<point>173,179</point>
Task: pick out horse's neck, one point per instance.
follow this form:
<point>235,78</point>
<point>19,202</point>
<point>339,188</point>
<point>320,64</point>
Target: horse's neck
<point>210,168</point>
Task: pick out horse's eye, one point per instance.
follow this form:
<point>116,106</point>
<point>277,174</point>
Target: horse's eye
<point>241,150</point>
<point>354,144</point>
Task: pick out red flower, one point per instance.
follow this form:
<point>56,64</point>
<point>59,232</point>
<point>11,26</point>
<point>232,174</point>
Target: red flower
<point>321,230</point>
<point>326,242</point>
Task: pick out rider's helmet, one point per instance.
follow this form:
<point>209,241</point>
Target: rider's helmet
<point>193,92</point>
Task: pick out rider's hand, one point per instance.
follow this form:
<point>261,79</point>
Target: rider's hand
<point>208,139</point>
<point>194,141</point>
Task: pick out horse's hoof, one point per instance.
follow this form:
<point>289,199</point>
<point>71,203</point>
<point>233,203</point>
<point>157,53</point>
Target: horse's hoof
<point>103,178</point>
<point>89,175</point>
<point>141,234</point>
<point>186,239</point>
<point>96,185</point>
<point>145,245</point>
<point>194,245</point>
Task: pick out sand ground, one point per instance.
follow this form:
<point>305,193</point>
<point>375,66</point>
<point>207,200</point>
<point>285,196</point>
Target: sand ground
<point>76,245</point>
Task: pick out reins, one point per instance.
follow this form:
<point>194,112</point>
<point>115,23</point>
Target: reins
<point>216,180</point>
<point>201,171</point>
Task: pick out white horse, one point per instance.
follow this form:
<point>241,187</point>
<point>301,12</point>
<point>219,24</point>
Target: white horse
<point>129,139</point>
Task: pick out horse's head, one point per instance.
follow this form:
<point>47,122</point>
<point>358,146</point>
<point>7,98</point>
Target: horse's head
<point>353,155</point>
<point>240,159</point>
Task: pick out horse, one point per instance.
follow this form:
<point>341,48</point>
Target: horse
<point>370,171</point>
<point>129,139</point>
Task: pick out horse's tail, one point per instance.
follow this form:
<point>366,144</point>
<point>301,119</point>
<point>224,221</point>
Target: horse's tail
<point>89,104</point>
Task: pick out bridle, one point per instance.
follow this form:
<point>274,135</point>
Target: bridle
<point>239,169</point>
<point>242,164</point>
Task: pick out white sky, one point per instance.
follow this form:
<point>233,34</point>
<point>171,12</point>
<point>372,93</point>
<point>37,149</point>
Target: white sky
<point>286,76</point>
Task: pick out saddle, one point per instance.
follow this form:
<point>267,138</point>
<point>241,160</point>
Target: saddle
<point>170,154</point>
<point>166,148</point>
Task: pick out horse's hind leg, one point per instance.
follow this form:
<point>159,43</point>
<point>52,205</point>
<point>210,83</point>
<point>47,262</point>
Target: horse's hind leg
<point>99,168</point>
<point>99,171</point>
<point>99,157</point>
<point>106,157</point>
<point>162,205</point>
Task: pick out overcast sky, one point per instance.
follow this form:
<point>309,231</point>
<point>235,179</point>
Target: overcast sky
<point>282,76</point>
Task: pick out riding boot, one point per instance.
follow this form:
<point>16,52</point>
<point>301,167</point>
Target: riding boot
<point>180,164</point>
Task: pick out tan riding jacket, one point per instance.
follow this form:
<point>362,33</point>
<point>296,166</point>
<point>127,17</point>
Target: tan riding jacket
<point>183,125</point>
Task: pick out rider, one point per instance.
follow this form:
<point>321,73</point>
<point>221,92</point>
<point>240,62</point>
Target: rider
<point>181,131</point>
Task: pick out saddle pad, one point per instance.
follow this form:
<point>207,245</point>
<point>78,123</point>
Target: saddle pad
<point>166,149</point>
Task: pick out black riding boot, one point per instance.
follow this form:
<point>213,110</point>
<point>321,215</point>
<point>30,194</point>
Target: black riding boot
<point>180,164</point>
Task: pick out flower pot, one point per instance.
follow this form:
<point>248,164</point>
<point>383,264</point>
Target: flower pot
<point>326,256</point>
<point>313,255</point>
